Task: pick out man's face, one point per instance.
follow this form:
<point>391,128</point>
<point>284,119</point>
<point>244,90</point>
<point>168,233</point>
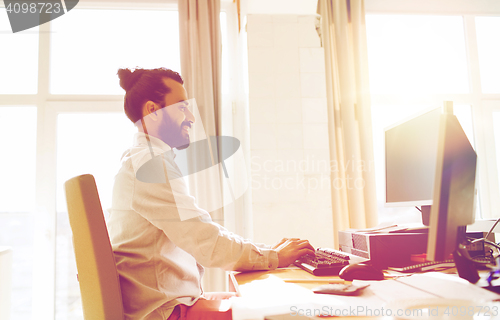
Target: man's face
<point>176,116</point>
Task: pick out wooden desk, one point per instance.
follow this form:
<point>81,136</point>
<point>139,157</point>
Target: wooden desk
<point>239,279</point>
<point>243,282</point>
<point>289,274</point>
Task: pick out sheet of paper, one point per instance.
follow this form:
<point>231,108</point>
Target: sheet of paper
<point>272,296</point>
<point>448,286</point>
<point>425,296</point>
<point>268,297</point>
<point>388,290</point>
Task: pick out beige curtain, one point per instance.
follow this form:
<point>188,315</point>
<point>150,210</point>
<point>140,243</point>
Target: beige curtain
<point>343,35</point>
<point>240,219</point>
<point>200,43</point>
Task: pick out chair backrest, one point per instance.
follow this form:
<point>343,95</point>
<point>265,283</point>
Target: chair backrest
<point>97,273</point>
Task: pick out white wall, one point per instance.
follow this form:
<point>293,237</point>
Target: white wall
<point>288,130</point>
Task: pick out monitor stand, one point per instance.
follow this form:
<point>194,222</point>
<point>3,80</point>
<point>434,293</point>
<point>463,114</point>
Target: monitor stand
<point>426,215</point>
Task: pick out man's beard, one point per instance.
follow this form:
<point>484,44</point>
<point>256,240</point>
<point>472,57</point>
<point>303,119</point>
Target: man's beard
<point>173,134</point>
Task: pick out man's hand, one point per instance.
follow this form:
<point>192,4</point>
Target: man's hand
<point>291,249</point>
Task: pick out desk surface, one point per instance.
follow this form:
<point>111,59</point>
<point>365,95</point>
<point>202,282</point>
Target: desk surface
<point>285,274</point>
<point>290,274</point>
<point>244,282</point>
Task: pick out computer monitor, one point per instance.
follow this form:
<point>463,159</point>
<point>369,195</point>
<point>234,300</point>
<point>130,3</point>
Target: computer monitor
<point>454,192</point>
<point>410,159</point>
<point>431,163</point>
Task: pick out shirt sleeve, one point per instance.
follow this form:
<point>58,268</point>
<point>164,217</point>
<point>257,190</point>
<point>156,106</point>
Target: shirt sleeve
<point>166,205</point>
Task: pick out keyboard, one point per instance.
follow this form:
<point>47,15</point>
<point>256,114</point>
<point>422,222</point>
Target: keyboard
<point>426,266</point>
<point>326,262</point>
<point>483,260</point>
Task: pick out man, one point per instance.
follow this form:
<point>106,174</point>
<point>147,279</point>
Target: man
<point>159,254</point>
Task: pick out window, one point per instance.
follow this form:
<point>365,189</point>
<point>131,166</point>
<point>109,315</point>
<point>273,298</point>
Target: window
<point>17,199</point>
<point>86,143</point>
<point>114,39</point>
<point>91,143</point>
<point>488,43</point>
<point>416,54</point>
<point>17,177</point>
<point>61,119</point>
<point>496,126</point>
<point>418,61</point>
<point>19,65</point>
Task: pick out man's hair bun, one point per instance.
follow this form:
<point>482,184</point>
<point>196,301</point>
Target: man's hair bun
<point>128,78</point>
<point>143,85</point>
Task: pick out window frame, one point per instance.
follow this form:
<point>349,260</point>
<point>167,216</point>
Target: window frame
<point>49,106</point>
<point>482,110</point>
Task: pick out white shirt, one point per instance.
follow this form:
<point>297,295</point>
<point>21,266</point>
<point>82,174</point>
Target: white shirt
<point>159,256</point>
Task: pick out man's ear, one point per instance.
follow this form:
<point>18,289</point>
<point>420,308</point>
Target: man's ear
<point>150,109</point>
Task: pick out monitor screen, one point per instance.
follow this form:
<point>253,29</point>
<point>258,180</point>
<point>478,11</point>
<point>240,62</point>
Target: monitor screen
<point>430,161</point>
<point>454,194</point>
<point>410,159</point>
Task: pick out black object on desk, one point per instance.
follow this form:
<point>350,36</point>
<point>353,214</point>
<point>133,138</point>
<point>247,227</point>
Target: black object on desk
<point>425,266</point>
<point>361,271</point>
<point>326,262</point>
<point>465,266</point>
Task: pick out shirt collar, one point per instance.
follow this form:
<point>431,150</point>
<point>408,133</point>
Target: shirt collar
<point>140,140</point>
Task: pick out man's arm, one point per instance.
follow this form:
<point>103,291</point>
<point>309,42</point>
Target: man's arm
<point>210,244</point>
<point>166,205</point>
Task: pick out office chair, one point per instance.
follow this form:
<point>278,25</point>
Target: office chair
<point>97,273</point>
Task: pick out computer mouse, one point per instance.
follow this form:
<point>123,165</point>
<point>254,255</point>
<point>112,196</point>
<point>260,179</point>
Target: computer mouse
<point>360,271</point>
